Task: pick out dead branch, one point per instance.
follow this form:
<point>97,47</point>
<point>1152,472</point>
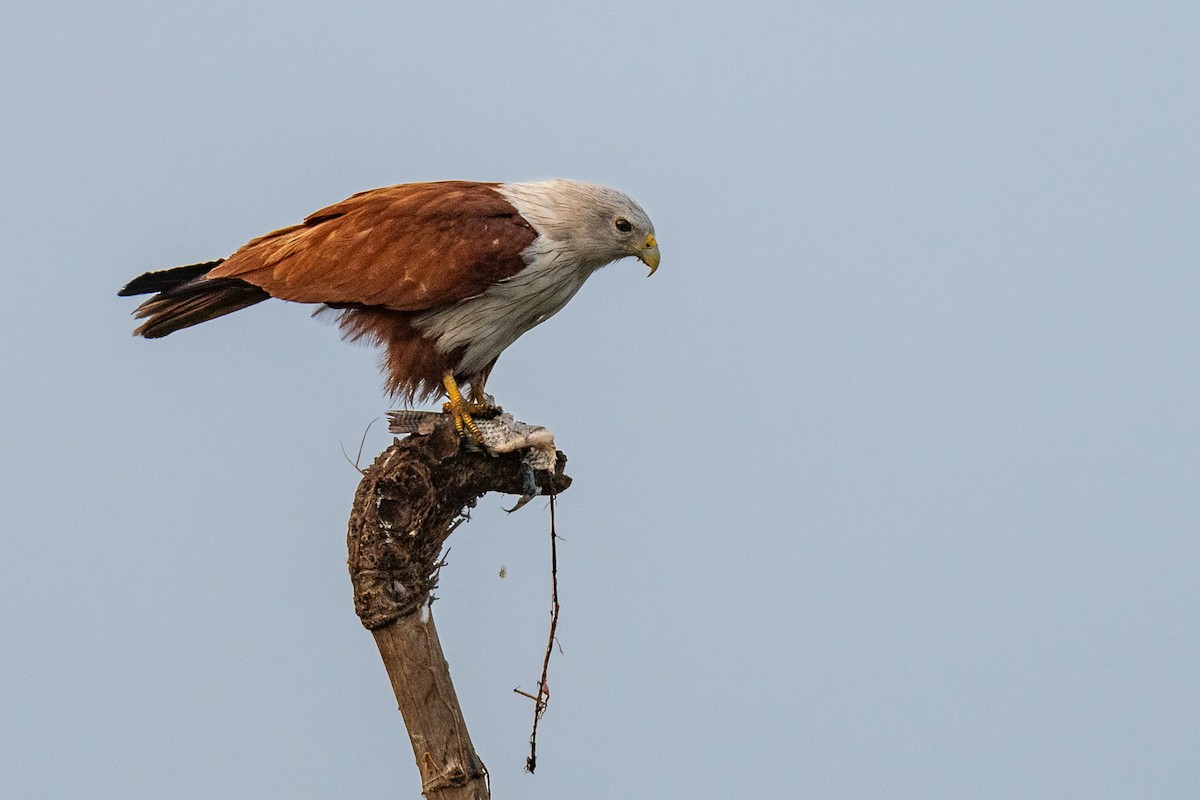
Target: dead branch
<point>408,502</point>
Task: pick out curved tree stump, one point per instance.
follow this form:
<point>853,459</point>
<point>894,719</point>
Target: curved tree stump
<point>407,504</point>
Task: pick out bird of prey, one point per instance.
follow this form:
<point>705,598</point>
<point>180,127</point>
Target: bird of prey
<point>444,276</point>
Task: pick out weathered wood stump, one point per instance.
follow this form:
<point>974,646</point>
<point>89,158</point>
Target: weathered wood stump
<point>409,501</point>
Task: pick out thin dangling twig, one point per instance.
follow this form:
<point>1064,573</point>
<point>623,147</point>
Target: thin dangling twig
<point>543,692</point>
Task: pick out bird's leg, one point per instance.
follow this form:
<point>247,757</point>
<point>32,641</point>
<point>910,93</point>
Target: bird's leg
<point>458,406</point>
<point>482,403</point>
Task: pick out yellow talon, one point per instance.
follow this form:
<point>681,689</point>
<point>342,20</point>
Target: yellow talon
<point>461,410</point>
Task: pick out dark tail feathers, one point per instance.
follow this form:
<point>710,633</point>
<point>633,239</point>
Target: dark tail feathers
<point>184,297</point>
<point>165,279</point>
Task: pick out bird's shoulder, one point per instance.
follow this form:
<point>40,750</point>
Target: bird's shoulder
<point>407,247</point>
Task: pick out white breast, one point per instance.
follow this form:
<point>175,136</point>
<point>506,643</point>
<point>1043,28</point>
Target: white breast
<point>484,325</point>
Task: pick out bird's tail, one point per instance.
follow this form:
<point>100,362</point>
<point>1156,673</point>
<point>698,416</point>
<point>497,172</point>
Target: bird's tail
<point>183,297</point>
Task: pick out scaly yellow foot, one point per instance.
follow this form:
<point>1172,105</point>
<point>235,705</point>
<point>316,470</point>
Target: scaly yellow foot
<point>482,403</point>
<point>461,409</point>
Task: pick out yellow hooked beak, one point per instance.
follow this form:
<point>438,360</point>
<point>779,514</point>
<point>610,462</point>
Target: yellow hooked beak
<point>650,255</point>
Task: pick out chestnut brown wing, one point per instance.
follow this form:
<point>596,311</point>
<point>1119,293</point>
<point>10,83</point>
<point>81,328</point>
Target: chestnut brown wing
<point>406,248</point>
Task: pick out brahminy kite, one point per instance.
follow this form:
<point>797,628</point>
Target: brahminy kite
<point>443,275</point>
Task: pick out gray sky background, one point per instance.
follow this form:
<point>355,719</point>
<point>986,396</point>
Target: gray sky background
<point>886,483</point>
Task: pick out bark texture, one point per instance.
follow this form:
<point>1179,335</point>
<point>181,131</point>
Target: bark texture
<point>407,504</point>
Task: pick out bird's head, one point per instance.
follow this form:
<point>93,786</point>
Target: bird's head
<point>625,228</point>
<point>599,224</point>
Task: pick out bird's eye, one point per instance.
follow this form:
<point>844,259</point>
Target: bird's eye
<point>623,225</point>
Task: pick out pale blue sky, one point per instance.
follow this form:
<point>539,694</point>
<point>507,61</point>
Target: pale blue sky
<point>886,483</point>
